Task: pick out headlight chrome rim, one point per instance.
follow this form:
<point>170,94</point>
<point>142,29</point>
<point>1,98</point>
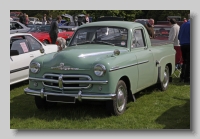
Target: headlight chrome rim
<point>99,70</point>
<point>34,67</point>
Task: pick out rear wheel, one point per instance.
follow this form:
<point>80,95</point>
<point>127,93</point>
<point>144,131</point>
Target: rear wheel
<point>164,84</point>
<point>118,105</point>
<point>42,103</point>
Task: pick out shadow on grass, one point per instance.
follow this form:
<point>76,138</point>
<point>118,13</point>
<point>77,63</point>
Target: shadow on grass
<point>23,107</point>
<point>177,117</point>
<point>146,91</point>
<point>153,88</point>
<point>20,84</point>
<point>175,81</point>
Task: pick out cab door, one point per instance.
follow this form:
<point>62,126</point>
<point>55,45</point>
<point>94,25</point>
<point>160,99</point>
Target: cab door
<point>145,59</point>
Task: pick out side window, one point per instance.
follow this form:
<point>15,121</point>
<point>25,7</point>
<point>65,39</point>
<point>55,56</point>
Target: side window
<point>35,45</point>
<point>12,26</point>
<point>138,39</point>
<point>19,44</point>
<point>18,26</point>
<point>81,37</point>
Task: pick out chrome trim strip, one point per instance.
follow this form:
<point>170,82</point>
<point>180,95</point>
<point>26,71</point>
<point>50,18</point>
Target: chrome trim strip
<point>19,69</point>
<point>84,82</point>
<point>95,54</point>
<point>78,96</point>
<point>117,68</point>
<point>42,80</point>
<point>122,67</point>
<point>56,87</point>
<point>143,62</point>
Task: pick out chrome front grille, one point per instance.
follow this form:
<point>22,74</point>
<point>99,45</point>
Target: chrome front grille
<point>60,81</point>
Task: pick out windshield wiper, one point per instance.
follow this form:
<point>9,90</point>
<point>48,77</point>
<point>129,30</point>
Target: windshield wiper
<point>105,42</point>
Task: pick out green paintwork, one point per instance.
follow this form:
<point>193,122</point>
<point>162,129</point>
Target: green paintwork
<point>139,76</point>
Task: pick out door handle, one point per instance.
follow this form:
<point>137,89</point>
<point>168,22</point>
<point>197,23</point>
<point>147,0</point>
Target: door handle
<point>31,55</point>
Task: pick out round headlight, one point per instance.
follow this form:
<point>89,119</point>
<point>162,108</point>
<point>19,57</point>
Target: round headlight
<point>99,69</point>
<point>34,67</point>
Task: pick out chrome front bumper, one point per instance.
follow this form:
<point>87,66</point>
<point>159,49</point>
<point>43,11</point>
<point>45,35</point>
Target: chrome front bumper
<point>78,96</point>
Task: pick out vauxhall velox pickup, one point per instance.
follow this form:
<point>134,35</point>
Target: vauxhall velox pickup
<point>106,61</point>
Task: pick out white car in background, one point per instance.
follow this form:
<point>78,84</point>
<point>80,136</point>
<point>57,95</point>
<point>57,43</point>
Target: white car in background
<point>24,48</point>
<point>34,20</point>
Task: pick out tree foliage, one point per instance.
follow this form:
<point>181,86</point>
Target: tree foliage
<point>129,15</point>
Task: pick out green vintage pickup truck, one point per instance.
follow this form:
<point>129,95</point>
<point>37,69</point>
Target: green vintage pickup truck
<point>106,61</point>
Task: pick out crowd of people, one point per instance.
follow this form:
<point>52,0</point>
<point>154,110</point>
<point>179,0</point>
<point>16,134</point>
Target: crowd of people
<point>180,36</point>
<point>23,18</point>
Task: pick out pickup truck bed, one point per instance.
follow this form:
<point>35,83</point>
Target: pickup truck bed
<point>156,42</point>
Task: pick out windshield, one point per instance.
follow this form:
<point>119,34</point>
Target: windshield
<point>101,35</point>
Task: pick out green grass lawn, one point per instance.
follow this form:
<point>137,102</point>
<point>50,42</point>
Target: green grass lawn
<point>153,109</point>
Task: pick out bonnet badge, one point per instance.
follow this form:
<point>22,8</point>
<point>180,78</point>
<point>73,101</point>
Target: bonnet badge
<point>62,67</point>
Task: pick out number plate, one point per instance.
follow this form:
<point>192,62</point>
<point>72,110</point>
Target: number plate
<point>62,99</point>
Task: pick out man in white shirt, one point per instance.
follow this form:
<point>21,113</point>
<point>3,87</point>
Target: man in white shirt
<point>174,31</point>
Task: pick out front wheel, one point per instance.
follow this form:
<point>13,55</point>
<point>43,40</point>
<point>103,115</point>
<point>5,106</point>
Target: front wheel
<point>118,105</point>
<point>164,84</point>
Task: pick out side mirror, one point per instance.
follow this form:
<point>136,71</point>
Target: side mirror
<point>14,52</point>
<point>42,50</point>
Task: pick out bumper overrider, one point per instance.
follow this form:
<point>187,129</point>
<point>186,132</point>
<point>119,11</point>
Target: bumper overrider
<point>69,98</point>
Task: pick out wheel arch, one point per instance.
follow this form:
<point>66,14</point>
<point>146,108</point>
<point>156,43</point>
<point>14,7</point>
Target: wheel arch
<point>128,86</point>
<point>170,68</point>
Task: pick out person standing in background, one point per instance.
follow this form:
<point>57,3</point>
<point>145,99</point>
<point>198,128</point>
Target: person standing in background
<point>44,19</point>
<point>184,20</point>
<point>149,26</point>
<point>174,31</point>
<point>151,22</point>
<point>87,20</point>
<point>184,38</point>
<point>26,20</point>
<point>53,33</point>
<point>21,18</point>
<point>50,19</point>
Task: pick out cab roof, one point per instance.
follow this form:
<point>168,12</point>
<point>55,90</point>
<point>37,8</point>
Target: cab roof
<point>122,24</point>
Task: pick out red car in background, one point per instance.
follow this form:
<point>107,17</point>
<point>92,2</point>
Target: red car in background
<point>15,14</point>
<point>41,32</point>
<point>162,31</point>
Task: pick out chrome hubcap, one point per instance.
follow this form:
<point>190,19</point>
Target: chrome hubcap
<point>120,99</point>
<point>166,80</point>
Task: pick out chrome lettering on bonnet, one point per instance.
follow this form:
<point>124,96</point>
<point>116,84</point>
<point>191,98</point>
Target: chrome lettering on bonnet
<point>62,67</point>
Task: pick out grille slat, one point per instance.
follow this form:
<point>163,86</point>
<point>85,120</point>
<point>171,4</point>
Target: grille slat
<point>68,81</point>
